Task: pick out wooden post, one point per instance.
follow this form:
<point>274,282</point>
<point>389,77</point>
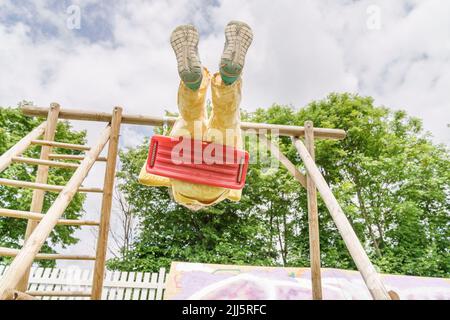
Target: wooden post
<point>313,220</point>
<point>110,172</point>
<point>37,200</point>
<point>30,249</point>
<point>365,267</point>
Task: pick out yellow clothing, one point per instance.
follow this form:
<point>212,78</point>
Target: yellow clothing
<point>224,124</point>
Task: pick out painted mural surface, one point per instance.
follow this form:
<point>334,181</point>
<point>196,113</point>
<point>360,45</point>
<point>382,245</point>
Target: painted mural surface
<point>228,282</point>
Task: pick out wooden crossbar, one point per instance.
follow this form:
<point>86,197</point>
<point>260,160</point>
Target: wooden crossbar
<point>71,157</point>
<point>8,252</point>
<point>45,162</point>
<point>283,130</point>
<point>59,293</point>
<point>43,186</point>
<point>61,145</point>
<point>19,214</point>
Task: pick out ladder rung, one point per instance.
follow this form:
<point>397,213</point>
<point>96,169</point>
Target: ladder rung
<point>42,186</point>
<point>38,216</point>
<point>8,252</point>
<point>71,157</point>
<point>45,162</point>
<point>59,293</point>
<point>61,145</point>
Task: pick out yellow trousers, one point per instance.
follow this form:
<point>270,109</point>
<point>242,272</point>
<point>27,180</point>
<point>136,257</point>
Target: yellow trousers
<point>222,127</point>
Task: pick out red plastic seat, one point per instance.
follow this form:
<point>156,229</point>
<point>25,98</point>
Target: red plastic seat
<point>197,161</point>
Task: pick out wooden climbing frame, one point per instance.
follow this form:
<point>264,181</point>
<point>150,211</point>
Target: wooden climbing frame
<point>14,283</point>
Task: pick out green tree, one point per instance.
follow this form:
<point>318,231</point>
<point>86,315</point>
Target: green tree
<point>14,126</point>
<point>391,180</point>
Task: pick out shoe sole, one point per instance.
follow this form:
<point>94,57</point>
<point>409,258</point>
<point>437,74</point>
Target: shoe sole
<point>184,42</point>
<point>239,37</point>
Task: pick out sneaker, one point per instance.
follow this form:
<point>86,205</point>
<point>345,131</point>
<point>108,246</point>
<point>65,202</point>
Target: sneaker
<point>184,41</point>
<point>238,37</point>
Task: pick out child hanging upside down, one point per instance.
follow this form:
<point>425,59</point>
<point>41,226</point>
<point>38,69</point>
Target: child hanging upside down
<point>225,116</point>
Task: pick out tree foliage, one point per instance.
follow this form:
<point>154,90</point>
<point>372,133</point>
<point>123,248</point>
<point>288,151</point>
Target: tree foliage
<point>13,127</point>
<point>391,180</point>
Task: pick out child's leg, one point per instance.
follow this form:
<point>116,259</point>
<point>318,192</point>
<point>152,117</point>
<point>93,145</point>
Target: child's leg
<point>191,123</point>
<point>224,125</point>
<point>191,105</point>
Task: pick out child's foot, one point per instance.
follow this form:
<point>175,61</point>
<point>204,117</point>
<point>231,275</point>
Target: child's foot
<point>184,41</point>
<point>238,37</point>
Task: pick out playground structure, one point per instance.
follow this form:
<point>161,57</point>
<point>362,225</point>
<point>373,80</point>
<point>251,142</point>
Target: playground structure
<point>14,283</point>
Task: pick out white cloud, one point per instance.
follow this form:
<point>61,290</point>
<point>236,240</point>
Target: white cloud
<point>302,50</point>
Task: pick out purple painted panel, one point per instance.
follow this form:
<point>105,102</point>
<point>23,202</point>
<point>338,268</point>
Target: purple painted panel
<point>228,282</point>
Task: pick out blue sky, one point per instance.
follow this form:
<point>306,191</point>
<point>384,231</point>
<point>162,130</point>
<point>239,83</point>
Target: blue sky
<point>96,25</point>
<point>396,51</point>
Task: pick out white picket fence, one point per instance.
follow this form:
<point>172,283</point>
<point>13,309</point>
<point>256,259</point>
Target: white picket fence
<point>117,285</point>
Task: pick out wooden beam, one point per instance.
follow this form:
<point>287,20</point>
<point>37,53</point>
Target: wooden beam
<point>313,220</point>
<point>284,130</point>
<point>291,168</point>
<point>71,157</point>
<point>365,267</point>
<point>37,201</point>
<point>43,186</point>
<point>59,293</point>
<point>108,186</point>
<point>8,252</point>
<point>45,162</point>
<point>61,145</point>
<point>19,214</point>
<point>21,146</point>
<point>30,249</point>
<point>394,295</point>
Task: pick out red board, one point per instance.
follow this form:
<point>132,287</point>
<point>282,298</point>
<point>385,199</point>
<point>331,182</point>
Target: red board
<point>197,161</point>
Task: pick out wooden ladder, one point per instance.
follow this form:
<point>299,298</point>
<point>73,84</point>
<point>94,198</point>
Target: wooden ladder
<point>14,283</point>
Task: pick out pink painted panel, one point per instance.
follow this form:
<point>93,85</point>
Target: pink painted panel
<point>228,282</point>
